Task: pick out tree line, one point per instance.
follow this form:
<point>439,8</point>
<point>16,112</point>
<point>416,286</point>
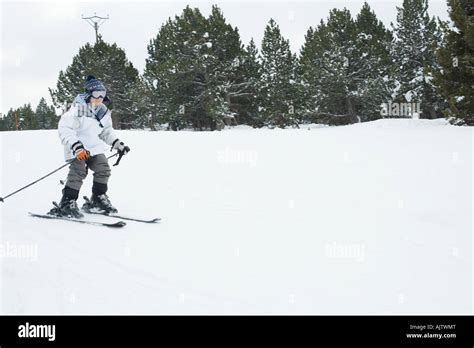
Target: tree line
<point>24,117</point>
<point>199,74</point>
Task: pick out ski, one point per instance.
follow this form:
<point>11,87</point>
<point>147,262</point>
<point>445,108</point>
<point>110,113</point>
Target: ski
<point>117,224</point>
<point>88,211</point>
<point>152,221</point>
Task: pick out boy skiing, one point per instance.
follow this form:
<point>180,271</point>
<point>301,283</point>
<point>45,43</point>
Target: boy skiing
<point>84,130</point>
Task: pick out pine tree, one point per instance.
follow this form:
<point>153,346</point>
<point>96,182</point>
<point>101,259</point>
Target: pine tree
<point>344,67</point>
<point>309,81</point>
<point>141,95</point>
<point>192,71</point>
<point>3,125</point>
<point>222,68</point>
<point>26,118</point>
<point>325,62</point>
<point>175,73</point>
<point>251,71</point>
<point>10,120</point>
<point>278,89</point>
<point>159,77</point>
<point>455,78</point>
<point>374,82</point>
<point>46,115</point>
<point>416,35</point>
<point>110,65</point>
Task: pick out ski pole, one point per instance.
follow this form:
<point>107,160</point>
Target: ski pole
<point>43,177</point>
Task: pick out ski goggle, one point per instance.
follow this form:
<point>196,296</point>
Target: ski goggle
<point>98,94</point>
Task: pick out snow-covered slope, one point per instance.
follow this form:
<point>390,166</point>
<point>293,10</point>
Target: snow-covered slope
<point>367,218</point>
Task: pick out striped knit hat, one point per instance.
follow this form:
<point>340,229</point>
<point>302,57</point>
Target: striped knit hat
<point>92,84</point>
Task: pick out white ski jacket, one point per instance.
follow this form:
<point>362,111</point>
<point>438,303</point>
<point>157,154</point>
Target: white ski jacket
<point>91,127</point>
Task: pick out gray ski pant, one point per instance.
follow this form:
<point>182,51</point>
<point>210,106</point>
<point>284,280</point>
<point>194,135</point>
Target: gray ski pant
<point>78,171</point>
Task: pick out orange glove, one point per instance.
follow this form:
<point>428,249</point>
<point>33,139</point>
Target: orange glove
<point>79,151</point>
<point>82,155</point>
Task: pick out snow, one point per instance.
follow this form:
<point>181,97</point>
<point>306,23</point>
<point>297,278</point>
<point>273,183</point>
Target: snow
<point>360,219</point>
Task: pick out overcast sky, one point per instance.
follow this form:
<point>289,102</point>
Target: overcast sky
<point>40,38</point>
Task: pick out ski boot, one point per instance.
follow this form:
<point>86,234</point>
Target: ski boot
<point>68,205</point>
<point>99,204</point>
<point>66,208</point>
